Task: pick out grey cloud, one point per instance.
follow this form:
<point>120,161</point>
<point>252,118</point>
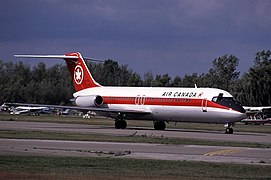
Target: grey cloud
<point>184,32</point>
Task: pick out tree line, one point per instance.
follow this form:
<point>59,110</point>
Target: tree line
<point>53,85</point>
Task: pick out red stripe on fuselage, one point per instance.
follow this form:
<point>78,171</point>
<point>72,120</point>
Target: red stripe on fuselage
<point>161,101</point>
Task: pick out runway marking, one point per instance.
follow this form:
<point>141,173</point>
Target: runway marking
<point>223,152</point>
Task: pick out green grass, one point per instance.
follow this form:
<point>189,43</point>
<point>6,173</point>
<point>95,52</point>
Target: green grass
<point>129,138</point>
<point>31,167</point>
<point>40,167</point>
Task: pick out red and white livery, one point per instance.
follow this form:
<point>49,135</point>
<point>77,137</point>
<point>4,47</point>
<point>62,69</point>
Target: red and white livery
<point>160,105</point>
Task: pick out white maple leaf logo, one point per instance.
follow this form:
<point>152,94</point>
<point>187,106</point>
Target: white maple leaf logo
<point>78,74</point>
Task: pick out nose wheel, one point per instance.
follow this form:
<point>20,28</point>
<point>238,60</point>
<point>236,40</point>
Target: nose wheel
<point>229,129</point>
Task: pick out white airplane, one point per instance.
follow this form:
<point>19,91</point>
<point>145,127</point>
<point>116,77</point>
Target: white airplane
<point>259,108</point>
<point>158,104</point>
<point>257,115</point>
<point>29,110</point>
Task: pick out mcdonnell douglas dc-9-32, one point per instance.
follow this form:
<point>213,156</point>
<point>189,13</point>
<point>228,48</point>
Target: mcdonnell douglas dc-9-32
<point>157,104</point>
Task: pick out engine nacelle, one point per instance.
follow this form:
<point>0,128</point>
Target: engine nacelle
<point>89,101</point>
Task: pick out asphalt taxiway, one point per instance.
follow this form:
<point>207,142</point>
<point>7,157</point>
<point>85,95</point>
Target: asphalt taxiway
<point>135,150</point>
<point>110,130</point>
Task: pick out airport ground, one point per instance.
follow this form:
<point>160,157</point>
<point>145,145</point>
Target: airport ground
<point>72,147</point>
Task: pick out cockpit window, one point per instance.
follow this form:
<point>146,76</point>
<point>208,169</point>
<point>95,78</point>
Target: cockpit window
<point>214,99</point>
<point>229,102</point>
<point>222,99</point>
<point>227,99</point>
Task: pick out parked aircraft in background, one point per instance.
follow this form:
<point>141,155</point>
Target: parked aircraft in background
<point>33,109</point>
<point>259,108</point>
<point>4,107</point>
<point>28,110</point>
<point>257,115</point>
<point>158,104</point>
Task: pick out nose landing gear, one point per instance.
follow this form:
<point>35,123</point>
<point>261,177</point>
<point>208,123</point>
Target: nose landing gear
<point>229,129</point>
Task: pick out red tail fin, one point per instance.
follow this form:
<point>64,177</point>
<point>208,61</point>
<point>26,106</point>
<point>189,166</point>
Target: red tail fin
<point>80,74</point>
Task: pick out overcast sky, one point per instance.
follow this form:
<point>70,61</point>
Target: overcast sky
<point>162,36</point>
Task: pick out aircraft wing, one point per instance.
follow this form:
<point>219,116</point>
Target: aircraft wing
<point>247,108</point>
<point>95,109</point>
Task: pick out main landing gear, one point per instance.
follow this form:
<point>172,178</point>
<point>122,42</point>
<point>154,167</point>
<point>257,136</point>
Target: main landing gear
<point>229,129</point>
<point>120,123</point>
<point>159,125</point>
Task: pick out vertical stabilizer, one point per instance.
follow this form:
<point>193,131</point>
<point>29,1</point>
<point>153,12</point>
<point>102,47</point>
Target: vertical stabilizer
<point>79,71</point>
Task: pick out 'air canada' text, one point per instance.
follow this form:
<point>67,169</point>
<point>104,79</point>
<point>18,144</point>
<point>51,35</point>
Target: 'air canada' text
<point>179,94</point>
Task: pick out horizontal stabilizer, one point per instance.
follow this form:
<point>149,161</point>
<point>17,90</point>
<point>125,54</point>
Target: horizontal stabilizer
<point>55,57</point>
<point>46,56</point>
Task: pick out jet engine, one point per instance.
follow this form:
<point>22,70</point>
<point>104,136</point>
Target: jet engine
<point>89,101</point>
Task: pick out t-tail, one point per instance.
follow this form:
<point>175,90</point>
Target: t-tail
<point>80,74</point>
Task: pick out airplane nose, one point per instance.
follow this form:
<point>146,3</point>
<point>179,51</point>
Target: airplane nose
<point>238,107</point>
<point>244,115</point>
<point>241,110</point>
